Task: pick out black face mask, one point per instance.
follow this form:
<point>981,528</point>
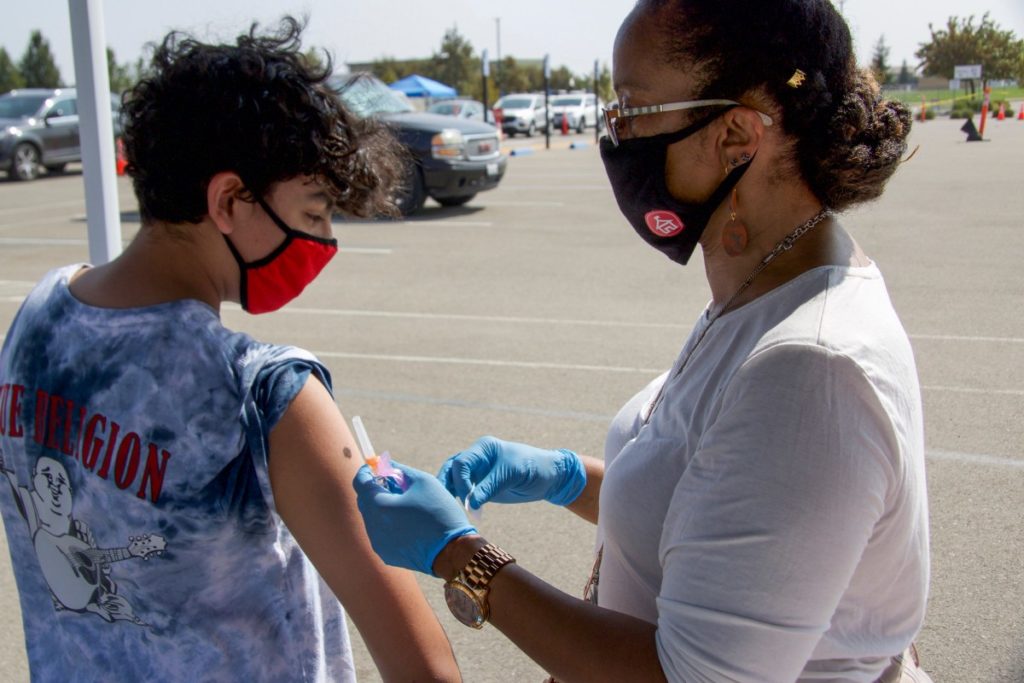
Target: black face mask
<point>636,169</point>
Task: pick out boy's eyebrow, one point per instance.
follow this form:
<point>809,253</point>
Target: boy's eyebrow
<point>322,196</point>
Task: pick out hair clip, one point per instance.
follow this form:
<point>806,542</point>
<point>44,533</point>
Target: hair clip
<point>797,79</point>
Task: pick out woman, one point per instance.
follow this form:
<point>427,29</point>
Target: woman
<point>142,429</point>
<point>761,509</point>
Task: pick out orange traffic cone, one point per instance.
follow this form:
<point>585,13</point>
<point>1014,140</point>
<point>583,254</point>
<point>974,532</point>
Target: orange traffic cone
<point>1020,112</point>
<point>121,162</point>
<point>565,124</point>
<point>1002,111</point>
<point>924,109</point>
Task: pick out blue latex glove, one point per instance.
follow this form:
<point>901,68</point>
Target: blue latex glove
<point>508,472</point>
<point>409,529</point>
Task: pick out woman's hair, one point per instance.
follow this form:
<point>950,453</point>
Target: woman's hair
<point>259,108</point>
<point>848,139</point>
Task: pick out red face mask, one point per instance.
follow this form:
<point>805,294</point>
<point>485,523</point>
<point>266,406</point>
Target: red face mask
<point>269,283</point>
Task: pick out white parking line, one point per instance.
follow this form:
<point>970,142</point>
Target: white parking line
<point>976,459</point>
<point>474,405</point>
<point>25,241</point>
<point>970,390</point>
<point>957,337</point>
<point>34,241</point>
<point>476,318</point>
<point>572,321</point>
<point>557,187</point>
<point>446,224</point>
<point>565,176</point>
<point>931,454</point>
<point>444,360</point>
<point>342,249</point>
<point>35,209</point>
<point>523,203</point>
<point>51,220</point>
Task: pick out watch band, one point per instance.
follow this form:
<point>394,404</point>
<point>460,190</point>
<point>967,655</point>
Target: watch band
<point>484,564</point>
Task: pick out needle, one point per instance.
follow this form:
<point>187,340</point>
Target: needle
<point>364,440</point>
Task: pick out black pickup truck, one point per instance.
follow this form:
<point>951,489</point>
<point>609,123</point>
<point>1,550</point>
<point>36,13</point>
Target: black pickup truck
<point>454,159</point>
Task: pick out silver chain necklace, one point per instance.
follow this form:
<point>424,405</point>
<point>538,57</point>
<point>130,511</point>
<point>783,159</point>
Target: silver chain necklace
<point>783,245</point>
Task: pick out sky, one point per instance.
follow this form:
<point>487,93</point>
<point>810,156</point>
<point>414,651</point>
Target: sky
<point>574,33</point>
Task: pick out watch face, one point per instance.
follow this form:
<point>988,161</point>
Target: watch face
<point>463,605</point>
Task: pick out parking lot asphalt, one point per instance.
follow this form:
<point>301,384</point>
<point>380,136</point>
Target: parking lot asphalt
<point>533,312</point>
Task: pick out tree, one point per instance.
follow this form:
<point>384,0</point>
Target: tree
<point>386,69</point>
<point>880,61</point>
<point>477,92</point>
<point>563,79</point>
<point>513,77</point>
<point>121,76</point>
<point>905,78</point>
<point>141,69</point>
<point>37,66</point>
<point>10,77</point>
<point>389,69</point>
<point>534,76</point>
<point>315,58</point>
<point>999,52</point>
<point>455,64</point>
<point>604,84</point>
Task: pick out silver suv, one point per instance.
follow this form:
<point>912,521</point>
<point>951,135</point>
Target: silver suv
<point>522,113</point>
<point>39,129</point>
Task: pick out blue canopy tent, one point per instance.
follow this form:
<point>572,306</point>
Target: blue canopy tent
<point>421,86</point>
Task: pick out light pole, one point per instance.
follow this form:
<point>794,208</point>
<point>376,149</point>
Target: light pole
<point>497,75</point>
<point>485,71</point>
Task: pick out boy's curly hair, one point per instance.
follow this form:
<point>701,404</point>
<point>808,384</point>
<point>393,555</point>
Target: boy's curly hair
<point>258,108</point>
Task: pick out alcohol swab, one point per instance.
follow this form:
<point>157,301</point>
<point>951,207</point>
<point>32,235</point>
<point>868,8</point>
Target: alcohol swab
<point>476,515</point>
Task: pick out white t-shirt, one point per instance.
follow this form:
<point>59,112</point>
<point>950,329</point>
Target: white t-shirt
<point>771,518</point>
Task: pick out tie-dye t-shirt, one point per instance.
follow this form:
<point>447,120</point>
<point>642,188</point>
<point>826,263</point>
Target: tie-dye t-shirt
<point>137,501</point>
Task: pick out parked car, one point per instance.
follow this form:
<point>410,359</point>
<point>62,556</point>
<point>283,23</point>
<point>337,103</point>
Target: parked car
<point>460,108</point>
<point>522,113</point>
<point>39,129</point>
<point>453,159</point>
<point>581,109</point>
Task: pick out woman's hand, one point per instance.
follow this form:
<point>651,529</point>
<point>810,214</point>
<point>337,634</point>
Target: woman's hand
<point>508,472</point>
<point>409,529</point>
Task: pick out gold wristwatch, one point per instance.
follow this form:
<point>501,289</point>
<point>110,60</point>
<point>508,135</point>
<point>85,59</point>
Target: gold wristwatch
<point>466,594</point>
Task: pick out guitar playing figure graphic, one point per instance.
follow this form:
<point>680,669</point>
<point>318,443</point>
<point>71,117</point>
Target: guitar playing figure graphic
<point>77,572</point>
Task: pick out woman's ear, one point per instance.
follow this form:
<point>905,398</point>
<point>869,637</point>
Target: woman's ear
<point>744,131</point>
<point>222,200</point>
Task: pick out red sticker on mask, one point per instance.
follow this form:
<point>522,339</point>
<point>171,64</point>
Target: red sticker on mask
<point>664,223</point>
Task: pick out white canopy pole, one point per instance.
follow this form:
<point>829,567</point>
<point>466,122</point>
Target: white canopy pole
<point>95,129</point>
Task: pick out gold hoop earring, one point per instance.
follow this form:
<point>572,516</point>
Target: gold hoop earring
<point>734,236</point>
